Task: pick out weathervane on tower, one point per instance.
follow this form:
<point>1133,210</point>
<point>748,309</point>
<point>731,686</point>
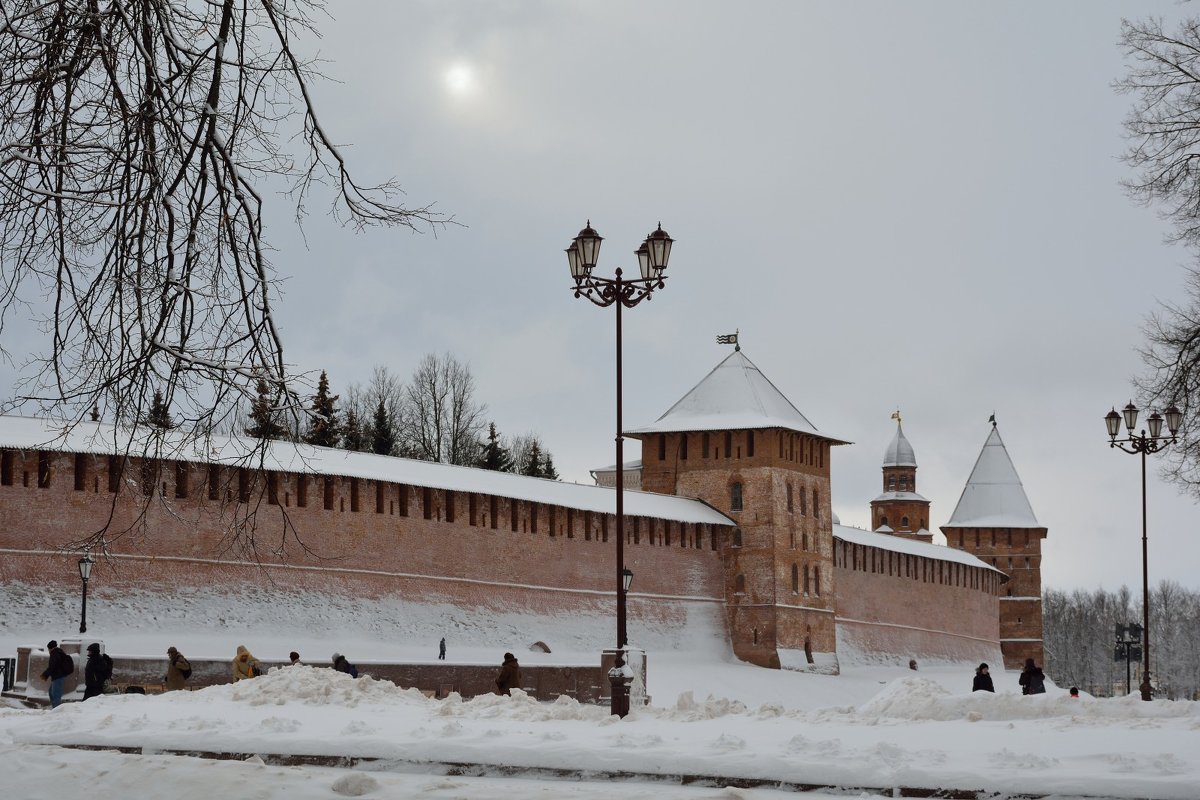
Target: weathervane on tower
<point>896,416</point>
<point>730,338</point>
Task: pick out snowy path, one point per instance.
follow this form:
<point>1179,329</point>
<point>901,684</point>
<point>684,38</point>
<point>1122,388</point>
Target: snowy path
<point>912,733</point>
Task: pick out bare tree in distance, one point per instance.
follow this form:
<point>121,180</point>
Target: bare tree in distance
<point>444,420</point>
<point>135,143</point>
<point>1163,129</point>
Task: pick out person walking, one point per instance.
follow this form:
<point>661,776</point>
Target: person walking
<point>983,680</point>
<point>245,665</point>
<point>510,675</point>
<point>342,665</point>
<point>442,649</point>
<point>1033,680</point>
<point>179,669</point>
<point>61,665</point>
<point>96,672</point>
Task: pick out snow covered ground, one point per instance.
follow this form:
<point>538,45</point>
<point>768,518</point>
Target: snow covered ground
<point>874,727</point>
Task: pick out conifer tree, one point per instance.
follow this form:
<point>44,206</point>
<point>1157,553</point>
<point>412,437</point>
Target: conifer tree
<point>383,436</point>
<point>548,470</point>
<point>263,422</point>
<point>352,436</point>
<point>160,415</point>
<point>533,462</point>
<point>324,430</point>
<point>494,456</point>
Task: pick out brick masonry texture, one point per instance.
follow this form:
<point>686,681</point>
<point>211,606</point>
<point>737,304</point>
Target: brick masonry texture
<point>1018,553</point>
<point>177,525</point>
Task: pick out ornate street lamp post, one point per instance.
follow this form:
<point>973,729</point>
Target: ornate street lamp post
<point>619,292</point>
<point>85,572</point>
<point>1143,444</point>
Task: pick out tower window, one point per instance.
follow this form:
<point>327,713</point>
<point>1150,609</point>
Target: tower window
<point>795,579</point>
<point>891,483</point>
<point>662,447</point>
<point>739,584</point>
<point>749,444</point>
<point>882,521</point>
<point>735,497</point>
<point>789,498</point>
<point>904,523</point>
<point>728,444</point>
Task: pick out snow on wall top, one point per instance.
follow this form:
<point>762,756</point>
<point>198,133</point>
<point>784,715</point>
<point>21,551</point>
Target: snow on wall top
<point>734,396</point>
<point>29,433</point>
<point>993,496</point>
<point>899,453</point>
<point>912,547</point>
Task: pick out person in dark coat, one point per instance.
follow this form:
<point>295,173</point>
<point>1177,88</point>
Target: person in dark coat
<point>442,649</point>
<point>61,665</point>
<point>96,672</point>
<point>1033,680</point>
<point>510,675</point>
<point>342,665</point>
<point>983,680</point>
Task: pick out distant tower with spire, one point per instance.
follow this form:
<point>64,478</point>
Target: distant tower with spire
<point>995,522</point>
<point>899,510</point>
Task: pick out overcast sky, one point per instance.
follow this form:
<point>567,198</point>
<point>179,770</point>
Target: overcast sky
<point>910,205</point>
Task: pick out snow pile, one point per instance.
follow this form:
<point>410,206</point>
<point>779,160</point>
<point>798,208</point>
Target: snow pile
<point>918,698</point>
<point>311,686</point>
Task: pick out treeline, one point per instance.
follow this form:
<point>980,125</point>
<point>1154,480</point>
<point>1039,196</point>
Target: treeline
<point>1080,639</point>
<point>433,416</point>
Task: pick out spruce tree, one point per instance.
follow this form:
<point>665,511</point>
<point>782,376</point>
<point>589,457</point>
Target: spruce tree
<point>160,415</point>
<point>383,437</point>
<point>548,470</point>
<point>263,424</point>
<point>533,464</point>
<point>324,429</point>
<point>352,435</point>
<point>494,456</point>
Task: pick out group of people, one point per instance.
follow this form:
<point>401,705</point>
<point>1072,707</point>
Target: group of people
<point>99,670</point>
<point>1032,680</point>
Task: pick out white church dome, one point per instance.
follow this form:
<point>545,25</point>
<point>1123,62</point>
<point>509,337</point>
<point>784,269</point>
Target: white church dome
<point>899,453</point>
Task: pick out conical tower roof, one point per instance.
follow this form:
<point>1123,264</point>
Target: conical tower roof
<point>899,453</point>
<point>994,496</point>
<point>734,396</point>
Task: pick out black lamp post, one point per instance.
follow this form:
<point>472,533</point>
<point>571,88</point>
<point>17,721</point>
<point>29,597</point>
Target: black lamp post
<point>85,572</point>
<point>1143,443</point>
<point>619,292</point>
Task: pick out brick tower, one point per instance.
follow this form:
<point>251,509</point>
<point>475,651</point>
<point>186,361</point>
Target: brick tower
<point>994,522</point>
<point>735,442</point>
<point>899,510</point>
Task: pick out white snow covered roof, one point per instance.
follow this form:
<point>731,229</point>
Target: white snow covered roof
<point>900,496</point>
<point>994,496</point>
<point>899,453</point>
<point>912,547</point>
<point>734,396</point>
<point>630,466</point>
<point>29,433</point>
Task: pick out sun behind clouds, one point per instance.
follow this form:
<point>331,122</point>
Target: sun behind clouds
<point>460,79</point>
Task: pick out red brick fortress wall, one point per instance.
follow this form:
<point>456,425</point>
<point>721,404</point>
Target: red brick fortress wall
<point>891,604</point>
<point>365,537</point>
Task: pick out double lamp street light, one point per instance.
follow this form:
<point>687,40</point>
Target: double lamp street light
<point>1149,440</point>
<point>619,292</point>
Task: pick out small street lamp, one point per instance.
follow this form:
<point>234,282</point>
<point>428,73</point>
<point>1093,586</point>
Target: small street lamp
<point>85,572</point>
<point>1129,647</point>
<point>619,291</point>
<point>1143,444</point>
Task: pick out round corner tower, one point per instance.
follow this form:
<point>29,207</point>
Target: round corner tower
<point>995,522</point>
